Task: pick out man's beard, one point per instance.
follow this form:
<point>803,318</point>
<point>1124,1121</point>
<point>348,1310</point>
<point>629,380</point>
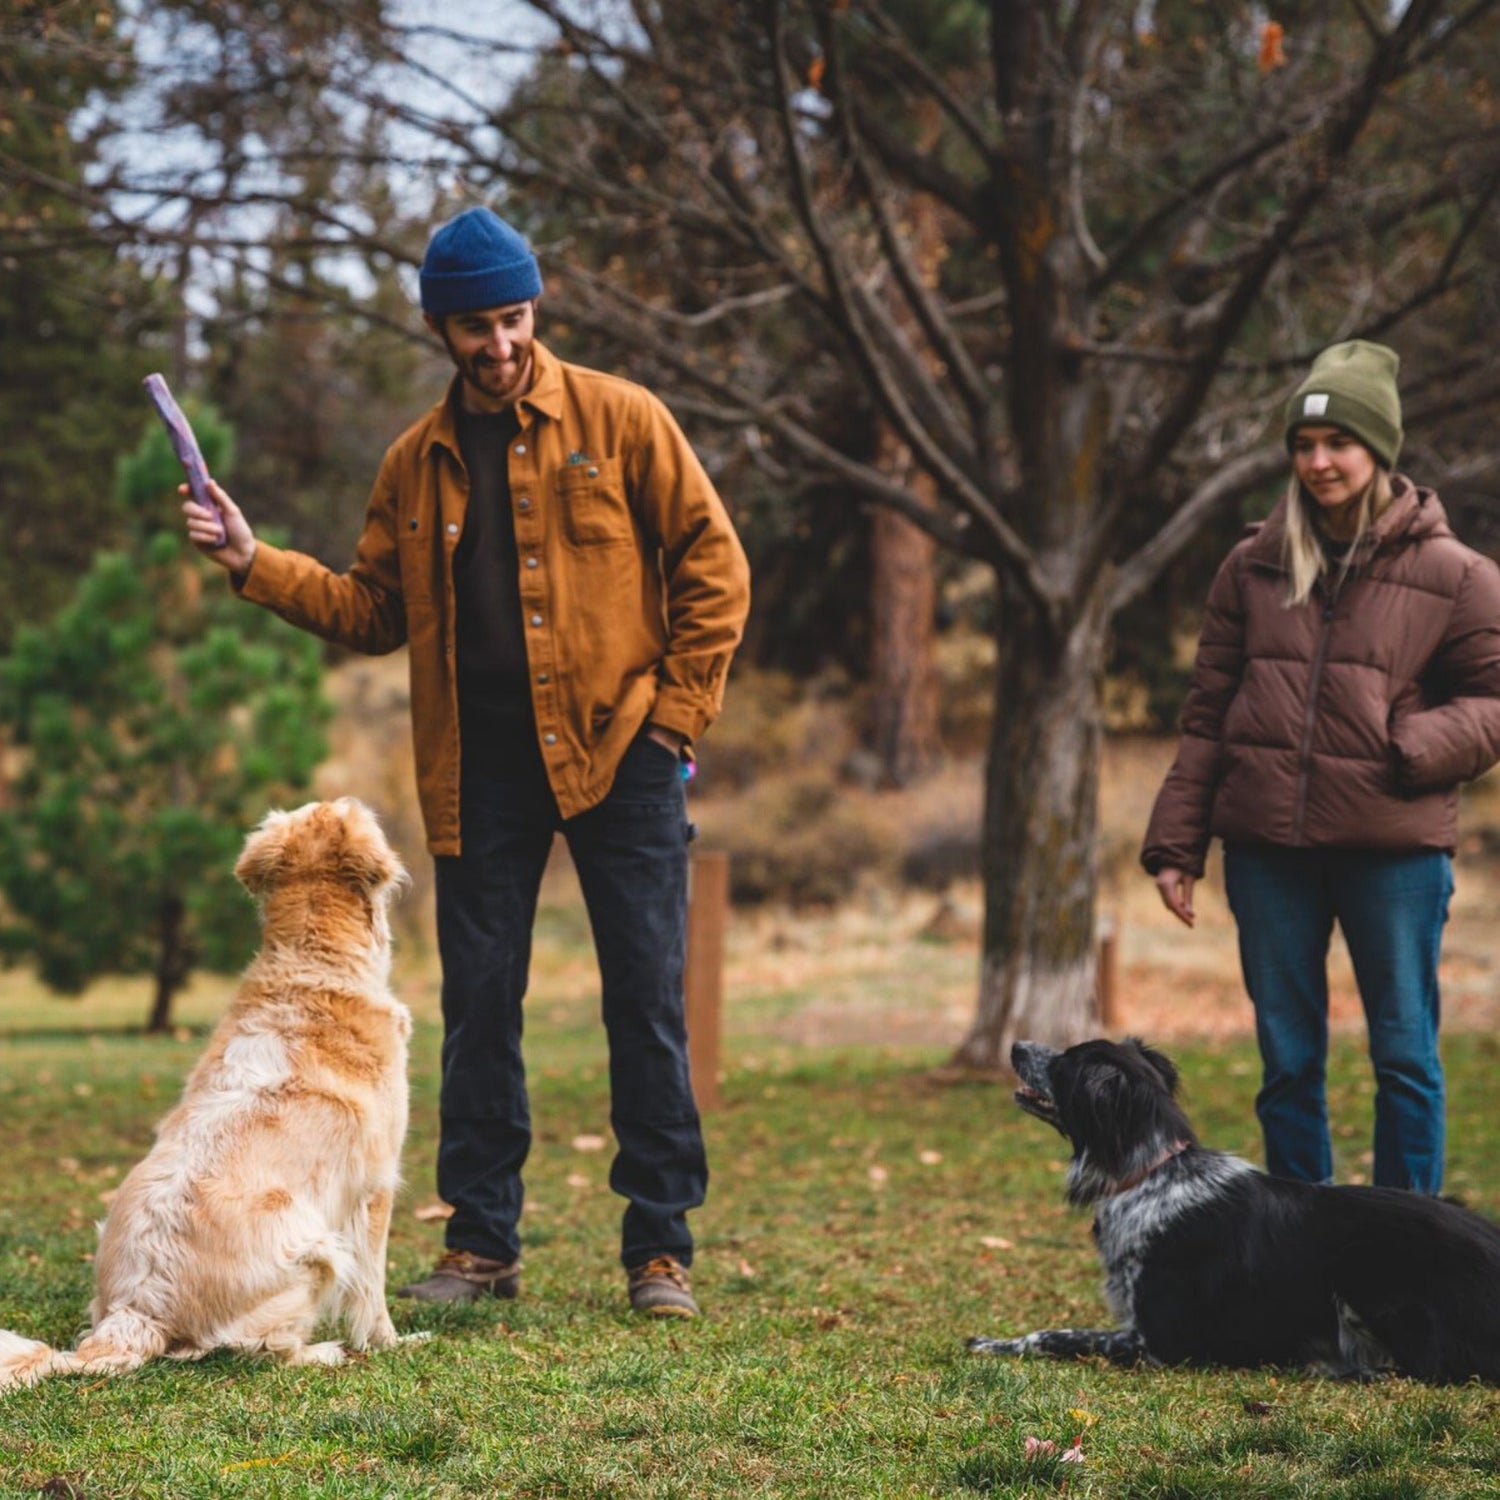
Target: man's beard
<point>473,371</point>
<point>497,381</point>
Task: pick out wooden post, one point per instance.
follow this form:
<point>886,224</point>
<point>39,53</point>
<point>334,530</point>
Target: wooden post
<point>708,907</point>
<point>1108,984</point>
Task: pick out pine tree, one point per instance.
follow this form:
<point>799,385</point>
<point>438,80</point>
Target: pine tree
<point>158,720</point>
<point>74,312</point>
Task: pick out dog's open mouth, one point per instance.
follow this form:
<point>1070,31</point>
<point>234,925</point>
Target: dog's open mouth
<point>1035,1102</point>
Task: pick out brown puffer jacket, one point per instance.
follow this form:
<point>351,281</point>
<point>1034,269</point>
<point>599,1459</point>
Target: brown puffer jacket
<point>1347,722</point>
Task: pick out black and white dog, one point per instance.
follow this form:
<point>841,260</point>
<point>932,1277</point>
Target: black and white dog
<point>1211,1262</point>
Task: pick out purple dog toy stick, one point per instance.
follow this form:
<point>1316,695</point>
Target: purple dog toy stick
<point>189,454</point>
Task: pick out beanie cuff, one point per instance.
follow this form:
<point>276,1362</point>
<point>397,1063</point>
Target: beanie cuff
<point>1338,409</point>
<point>490,286</point>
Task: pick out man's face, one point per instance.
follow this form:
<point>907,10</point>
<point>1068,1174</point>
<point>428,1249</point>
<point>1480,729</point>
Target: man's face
<point>492,349</point>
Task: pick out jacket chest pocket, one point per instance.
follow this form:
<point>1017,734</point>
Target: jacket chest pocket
<point>414,543</point>
<point>595,511</point>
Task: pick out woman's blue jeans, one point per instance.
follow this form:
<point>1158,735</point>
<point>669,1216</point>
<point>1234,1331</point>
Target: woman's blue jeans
<point>1391,909</point>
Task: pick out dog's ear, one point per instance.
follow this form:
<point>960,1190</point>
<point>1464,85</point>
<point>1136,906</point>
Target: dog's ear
<point>364,859</point>
<point>1163,1065</point>
<point>1094,1100</point>
<point>264,854</point>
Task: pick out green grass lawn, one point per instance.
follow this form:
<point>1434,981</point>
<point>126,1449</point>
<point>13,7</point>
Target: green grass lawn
<point>863,1220</point>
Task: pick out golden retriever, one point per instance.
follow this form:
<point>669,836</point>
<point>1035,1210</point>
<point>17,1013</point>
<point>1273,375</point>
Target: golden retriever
<point>265,1203</point>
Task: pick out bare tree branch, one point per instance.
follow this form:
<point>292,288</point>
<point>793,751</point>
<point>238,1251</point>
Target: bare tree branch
<point>854,322</point>
<point>928,308</point>
<point>1229,482</point>
<point>970,125</point>
<point>1337,138</point>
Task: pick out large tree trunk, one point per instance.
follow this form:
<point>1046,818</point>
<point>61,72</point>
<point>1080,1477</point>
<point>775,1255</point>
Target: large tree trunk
<point>1039,967</point>
<point>903,673</point>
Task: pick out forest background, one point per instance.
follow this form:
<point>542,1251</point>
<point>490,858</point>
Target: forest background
<point>982,316</point>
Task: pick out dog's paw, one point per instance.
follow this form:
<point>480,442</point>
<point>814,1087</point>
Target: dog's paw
<point>331,1353</point>
<point>993,1346</point>
<point>382,1336</point>
<point>1350,1374</point>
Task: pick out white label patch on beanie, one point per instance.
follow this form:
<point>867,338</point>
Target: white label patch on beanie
<point>1314,406</point>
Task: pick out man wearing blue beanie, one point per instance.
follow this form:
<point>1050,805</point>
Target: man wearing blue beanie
<point>570,589</point>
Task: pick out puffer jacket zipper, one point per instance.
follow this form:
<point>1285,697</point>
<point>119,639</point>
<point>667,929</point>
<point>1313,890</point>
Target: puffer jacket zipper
<point>1310,712</point>
<point>1309,718</point>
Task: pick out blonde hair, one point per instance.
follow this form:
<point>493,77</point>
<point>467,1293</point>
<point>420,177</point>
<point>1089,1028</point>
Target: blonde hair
<point>1303,554</point>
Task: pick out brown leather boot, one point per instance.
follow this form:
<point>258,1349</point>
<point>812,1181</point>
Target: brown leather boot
<point>660,1288</point>
<point>462,1276</point>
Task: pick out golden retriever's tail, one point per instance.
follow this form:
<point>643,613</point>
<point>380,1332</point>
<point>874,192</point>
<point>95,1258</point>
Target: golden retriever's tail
<point>122,1342</point>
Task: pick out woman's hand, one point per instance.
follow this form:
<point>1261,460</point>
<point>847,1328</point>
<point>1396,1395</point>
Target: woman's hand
<point>1176,888</point>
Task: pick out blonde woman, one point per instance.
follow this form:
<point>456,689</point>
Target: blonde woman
<point>1347,680</point>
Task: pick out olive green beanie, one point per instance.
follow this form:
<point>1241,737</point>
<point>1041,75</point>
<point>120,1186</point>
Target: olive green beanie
<point>1352,386</point>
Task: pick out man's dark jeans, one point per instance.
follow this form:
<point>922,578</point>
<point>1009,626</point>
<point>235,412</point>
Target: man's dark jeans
<point>630,853</point>
<point>1391,908</point>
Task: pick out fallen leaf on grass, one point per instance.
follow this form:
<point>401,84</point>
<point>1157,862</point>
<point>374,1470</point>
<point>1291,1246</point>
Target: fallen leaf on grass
<point>588,1142</point>
<point>746,1269</point>
<point>996,1242</point>
<point>929,1158</point>
<point>429,1211</point>
<point>260,1463</point>
<point>1258,1408</point>
<point>878,1176</point>
<point>577,1180</point>
<point>1045,1448</point>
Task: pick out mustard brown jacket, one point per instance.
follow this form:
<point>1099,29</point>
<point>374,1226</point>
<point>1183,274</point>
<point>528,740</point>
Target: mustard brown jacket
<point>634,587</point>
<point>1346,722</point>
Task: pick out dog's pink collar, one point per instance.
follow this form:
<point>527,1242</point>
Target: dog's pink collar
<point>1175,1149</point>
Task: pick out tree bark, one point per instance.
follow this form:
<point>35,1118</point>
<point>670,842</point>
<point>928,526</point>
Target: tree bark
<point>171,963</point>
<point>1039,965</point>
<point>903,672</point>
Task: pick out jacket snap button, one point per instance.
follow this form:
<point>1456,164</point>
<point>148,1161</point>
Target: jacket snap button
<point>550,739</point>
<point>531,562</point>
<point>452,528</point>
<point>536,619</point>
<point>593,472</point>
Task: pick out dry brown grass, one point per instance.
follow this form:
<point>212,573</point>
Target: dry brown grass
<point>890,964</point>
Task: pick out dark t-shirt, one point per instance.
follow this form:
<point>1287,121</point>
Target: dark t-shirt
<point>491,644</point>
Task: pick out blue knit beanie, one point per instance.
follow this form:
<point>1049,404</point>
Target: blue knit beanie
<point>477,260</point>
